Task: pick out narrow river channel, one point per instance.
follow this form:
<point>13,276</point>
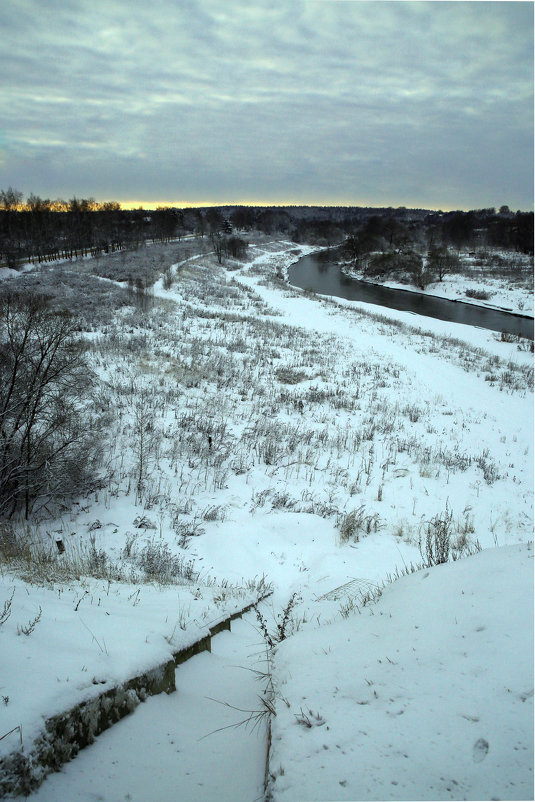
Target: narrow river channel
<point>321,273</point>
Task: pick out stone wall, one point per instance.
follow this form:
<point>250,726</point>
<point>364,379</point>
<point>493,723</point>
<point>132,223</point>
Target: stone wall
<point>64,735</point>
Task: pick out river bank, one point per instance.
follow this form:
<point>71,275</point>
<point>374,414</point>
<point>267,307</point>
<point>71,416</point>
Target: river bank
<point>322,272</point>
<point>514,294</point>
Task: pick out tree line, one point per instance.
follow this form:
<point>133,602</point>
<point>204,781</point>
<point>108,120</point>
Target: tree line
<point>44,230</point>
<point>427,248</point>
<point>383,228</point>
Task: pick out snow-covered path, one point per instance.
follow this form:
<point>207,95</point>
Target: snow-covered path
<point>157,752</point>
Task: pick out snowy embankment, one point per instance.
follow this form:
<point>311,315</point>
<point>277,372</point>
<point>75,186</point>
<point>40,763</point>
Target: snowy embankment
<point>489,287</point>
<point>67,643</point>
<point>427,694</point>
<point>257,431</point>
<point>182,746</point>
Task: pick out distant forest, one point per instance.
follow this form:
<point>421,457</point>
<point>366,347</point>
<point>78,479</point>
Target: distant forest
<point>40,230</point>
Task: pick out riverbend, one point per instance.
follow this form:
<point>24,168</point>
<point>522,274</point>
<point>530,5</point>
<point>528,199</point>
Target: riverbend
<point>322,273</point>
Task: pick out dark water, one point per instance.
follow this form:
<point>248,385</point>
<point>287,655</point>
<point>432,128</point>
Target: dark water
<point>319,272</point>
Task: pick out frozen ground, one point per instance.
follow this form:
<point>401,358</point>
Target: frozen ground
<point>312,442</point>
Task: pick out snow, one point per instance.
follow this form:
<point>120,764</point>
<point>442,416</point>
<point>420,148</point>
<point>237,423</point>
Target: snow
<point>316,408</point>
<point>167,750</point>
<point>510,294</point>
<point>91,636</point>
<point>427,694</point>
<point>503,296</point>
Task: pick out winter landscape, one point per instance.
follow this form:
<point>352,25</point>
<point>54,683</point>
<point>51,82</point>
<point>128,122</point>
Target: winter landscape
<point>373,472</point>
<point>266,401</point>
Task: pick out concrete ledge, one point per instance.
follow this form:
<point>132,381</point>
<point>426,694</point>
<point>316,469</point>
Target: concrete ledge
<point>220,627</point>
<point>64,735</point>
<point>202,645</point>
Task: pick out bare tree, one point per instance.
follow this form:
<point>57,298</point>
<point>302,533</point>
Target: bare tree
<point>218,243</point>
<point>235,247</point>
<point>421,276</point>
<point>10,245</point>
<point>47,445</point>
<point>441,260</point>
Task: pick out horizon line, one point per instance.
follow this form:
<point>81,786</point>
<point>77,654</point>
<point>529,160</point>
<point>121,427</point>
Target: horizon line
<point>151,205</point>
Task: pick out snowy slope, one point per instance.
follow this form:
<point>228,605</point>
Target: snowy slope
<point>427,694</point>
<point>63,644</point>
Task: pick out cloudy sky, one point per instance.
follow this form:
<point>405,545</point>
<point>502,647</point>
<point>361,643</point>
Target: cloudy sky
<point>424,104</point>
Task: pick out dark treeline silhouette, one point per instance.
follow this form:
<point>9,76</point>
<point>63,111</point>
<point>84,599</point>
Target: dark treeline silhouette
<point>43,230</point>
<point>424,248</point>
<point>389,227</point>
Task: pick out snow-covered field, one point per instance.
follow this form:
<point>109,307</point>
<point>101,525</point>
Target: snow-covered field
<point>313,444</point>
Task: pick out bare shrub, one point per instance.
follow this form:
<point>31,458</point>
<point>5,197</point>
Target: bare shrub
<point>479,295</point>
<point>185,529</point>
<point>282,501</point>
<point>6,609</point>
<point>215,512</point>
<point>413,411</point>
<point>488,466</point>
<point>27,629</point>
<point>352,525</point>
<point>288,375</point>
<point>159,563</point>
<point>436,542</point>
<point>281,630</point>
<point>167,279</point>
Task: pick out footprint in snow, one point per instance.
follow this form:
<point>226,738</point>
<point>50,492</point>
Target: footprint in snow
<point>480,750</point>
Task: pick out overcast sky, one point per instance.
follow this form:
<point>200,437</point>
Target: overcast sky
<point>424,104</point>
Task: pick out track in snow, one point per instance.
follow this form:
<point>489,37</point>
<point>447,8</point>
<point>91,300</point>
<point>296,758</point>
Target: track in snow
<point>156,753</point>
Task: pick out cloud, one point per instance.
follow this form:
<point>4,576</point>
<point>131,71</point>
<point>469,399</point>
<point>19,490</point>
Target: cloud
<point>313,101</point>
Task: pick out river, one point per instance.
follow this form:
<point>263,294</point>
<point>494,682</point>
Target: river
<point>320,272</point>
